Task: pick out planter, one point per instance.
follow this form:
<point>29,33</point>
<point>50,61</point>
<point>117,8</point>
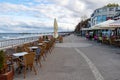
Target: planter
<point>7,75</point>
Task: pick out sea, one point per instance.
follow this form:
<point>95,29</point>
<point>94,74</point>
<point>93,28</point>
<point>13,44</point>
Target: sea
<point>5,36</point>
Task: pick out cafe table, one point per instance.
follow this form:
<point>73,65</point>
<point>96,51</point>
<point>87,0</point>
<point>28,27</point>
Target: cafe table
<point>33,48</point>
<point>19,54</point>
<point>18,59</point>
<point>40,44</point>
<point>45,41</point>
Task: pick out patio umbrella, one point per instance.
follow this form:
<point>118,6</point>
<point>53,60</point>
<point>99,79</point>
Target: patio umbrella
<point>55,28</point>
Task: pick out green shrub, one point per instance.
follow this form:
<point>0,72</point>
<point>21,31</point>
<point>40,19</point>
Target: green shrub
<point>2,59</point>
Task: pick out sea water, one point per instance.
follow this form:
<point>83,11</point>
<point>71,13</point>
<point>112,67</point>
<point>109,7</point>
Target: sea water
<point>10,39</point>
<point>4,36</point>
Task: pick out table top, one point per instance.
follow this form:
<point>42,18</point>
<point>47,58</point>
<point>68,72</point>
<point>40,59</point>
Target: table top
<point>46,41</point>
<point>19,54</point>
<point>33,47</point>
<point>40,44</point>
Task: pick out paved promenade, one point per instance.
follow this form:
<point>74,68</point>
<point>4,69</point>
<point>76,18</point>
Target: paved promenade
<point>78,59</point>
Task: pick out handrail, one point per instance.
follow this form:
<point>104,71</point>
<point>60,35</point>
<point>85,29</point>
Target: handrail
<point>22,40</point>
<point>17,41</point>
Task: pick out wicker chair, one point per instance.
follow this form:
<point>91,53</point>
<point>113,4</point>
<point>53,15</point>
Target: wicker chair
<point>48,47</point>
<point>19,49</point>
<point>26,45</point>
<point>40,40</point>
<point>8,64</point>
<point>26,49</point>
<point>10,51</point>
<point>28,61</point>
<point>105,40</point>
<point>42,53</point>
<point>112,41</point>
<point>38,56</point>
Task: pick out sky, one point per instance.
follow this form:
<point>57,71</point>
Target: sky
<point>38,15</point>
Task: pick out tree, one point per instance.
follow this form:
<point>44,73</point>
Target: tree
<point>112,5</point>
<point>84,17</point>
<point>82,24</point>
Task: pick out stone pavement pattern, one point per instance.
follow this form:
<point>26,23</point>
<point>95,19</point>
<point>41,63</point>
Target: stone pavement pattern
<point>65,63</point>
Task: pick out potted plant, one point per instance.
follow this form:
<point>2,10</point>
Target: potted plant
<point>2,59</point>
<point>5,73</point>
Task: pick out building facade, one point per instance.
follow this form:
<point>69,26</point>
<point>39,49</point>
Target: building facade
<point>105,13</point>
<point>117,15</point>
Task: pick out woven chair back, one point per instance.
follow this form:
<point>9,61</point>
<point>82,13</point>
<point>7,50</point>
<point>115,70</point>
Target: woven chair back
<point>29,59</point>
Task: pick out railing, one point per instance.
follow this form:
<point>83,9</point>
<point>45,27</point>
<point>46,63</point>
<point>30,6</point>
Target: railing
<point>18,41</point>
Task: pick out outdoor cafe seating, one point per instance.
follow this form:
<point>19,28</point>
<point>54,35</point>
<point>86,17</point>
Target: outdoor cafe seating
<point>105,40</point>
<point>7,70</point>
<point>24,56</point>
<point>28,60</point>
<point>116,41</point>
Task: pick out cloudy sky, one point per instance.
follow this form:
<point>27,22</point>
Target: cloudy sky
<point>38,15</point>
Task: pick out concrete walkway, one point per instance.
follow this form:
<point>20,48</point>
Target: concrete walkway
<point>74,59</point>
<point>63,64</point>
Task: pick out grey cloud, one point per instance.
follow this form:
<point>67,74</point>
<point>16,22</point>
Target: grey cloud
<point>68,13</point>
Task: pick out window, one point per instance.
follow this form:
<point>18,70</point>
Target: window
<point>104,18</point>
<point>97,11</point>
<point>100,10</point>
<point>110,15</point>
<point>104,9</point>
<point>98,18</point>
<point>92,15</point>
<point>101,18</point>
<point>111,9</point>
<point>118,8</point>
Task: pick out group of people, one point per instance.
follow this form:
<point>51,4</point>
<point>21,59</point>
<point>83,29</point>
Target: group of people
<point>99,35</point>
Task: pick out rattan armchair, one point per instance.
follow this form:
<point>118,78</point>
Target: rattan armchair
<point>38,56</point>
<point>42,53</point>
<point>28,61</point>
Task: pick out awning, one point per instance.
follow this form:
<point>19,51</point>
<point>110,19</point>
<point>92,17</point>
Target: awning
<point>95,28</point>
<point>109,24</point>
<point>103,25</point>
<point>85,29</point>
<point>115,24</point>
